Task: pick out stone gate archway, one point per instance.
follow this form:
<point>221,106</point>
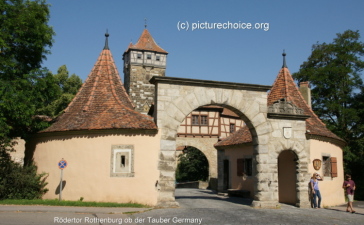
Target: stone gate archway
<point>175,98</point>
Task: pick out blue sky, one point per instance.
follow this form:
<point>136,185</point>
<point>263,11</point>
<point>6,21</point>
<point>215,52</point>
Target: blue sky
<point>235,55</point>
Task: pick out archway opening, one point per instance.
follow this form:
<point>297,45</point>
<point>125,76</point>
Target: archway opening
<point>287,177</point>
<point>192,168</point>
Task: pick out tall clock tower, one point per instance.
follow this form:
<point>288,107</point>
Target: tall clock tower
<point>142,61</point>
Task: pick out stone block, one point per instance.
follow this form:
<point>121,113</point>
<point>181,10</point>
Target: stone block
<point>226,96</point>
<point>202,98</point>
<point>236,98</point>
<point>299,134</point>
<point>169,134</point>
<point>192,100</point>
<point>252,110</point>
<point>167,165</point>
<point>259,119</point>
<point>167,155</point>
<point>263,149</point>
<point>218,93</point>
<point>168,145</point>
<point>173,92</point>
<point>164,98</point>
<point>183,106</point>
<point>277,134</point>
<point>264,128</point>
<point>264,139</point>
<point>264,196</point>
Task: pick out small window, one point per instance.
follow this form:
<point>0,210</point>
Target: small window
<point>204,120</point>
<point>248,166</point>
<point>326,166</point>
<point>244,167</point>
<point>158,58</point>
<point>232,128</point>
<point>149,56</point>
<point>122,161</point>
<point>139,56</point>
<point>195,120</point>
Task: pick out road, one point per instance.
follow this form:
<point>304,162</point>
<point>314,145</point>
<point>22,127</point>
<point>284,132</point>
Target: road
<point>196,207</point>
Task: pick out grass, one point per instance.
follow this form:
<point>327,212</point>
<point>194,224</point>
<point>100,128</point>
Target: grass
<point>56,202</point>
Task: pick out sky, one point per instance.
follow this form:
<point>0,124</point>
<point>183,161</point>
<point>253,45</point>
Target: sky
<point>234,54</point>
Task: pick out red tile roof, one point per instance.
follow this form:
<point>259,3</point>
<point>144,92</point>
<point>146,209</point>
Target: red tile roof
<point>241,136</point>
<point>146,42</point>
<point>285,87</point>
<point>228,112</point>
<point>102,103</point>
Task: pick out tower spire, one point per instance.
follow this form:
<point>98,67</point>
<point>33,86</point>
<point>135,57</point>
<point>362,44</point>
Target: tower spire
<point>284,59</point>
<point>145,23</point>
<point>106,40</point>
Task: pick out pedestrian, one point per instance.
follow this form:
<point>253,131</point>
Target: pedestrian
<point>350,187</point>
<point>315,190</point>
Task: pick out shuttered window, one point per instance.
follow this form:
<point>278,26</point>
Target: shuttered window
<point>333,161</point>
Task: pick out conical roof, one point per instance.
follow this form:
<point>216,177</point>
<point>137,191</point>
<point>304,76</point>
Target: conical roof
<point>285,87</point>
<point>102,102</point>
<point>146,42</point>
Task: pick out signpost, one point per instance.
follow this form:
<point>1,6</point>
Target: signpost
<point>61,165</point>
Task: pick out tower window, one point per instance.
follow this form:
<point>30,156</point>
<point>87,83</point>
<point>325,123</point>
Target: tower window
<point>149,56</point>
<point>139,56</point>
<point>158,58</point>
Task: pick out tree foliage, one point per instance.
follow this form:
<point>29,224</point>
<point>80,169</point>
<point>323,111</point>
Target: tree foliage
<point>66,88</point>
<point>334,71</point>
<point>18,182</point>
<point>25,39</point>
<point>192,166</point>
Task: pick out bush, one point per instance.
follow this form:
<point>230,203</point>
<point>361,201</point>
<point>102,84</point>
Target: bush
<point>18,182</point>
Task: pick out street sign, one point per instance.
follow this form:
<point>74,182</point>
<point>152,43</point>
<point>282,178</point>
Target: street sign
<point>62,164</point>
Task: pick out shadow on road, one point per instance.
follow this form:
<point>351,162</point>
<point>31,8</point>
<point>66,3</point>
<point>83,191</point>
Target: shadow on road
<point>212,195</point>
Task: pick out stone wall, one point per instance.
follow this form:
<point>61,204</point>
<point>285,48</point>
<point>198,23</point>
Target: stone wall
<point>136,82</point>
<point>177,97</point>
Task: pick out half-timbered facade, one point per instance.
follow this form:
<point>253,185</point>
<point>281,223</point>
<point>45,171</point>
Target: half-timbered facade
<point>210,122</point>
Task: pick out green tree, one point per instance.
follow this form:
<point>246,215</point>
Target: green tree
<point>25,39</point>
<point>334,72</point>
<point>192,166</point>
<point>67,88</point>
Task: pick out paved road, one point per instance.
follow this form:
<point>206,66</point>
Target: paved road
<point>196,207</point>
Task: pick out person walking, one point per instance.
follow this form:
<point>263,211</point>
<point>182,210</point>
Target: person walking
<point>315,190</point>
<point>349,186</point>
